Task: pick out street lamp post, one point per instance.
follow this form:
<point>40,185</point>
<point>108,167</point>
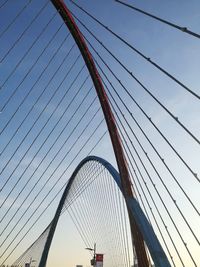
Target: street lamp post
<point>93,261</point>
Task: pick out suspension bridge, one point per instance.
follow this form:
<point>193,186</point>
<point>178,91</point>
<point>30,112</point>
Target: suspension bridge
<point>99,133</point>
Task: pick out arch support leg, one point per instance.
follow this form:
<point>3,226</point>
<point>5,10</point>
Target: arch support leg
<point>157,253</point>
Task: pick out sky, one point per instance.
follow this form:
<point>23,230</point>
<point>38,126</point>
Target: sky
<point>175,51</point>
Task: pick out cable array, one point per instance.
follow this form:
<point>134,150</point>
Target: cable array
<point>139,52</point>
<point>51,103</point>
<point>23,33</point>
<point>15,18</point>
<point>129,142</point>
<point>90,176</point>
<point>51,120</point>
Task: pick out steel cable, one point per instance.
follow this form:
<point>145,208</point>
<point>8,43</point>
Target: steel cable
<point>25,54</point>
<point>153,166</point>
<point>15,18</point>
<point>24,31</point>
<point>182,29</point>
<point>145,114</point>
<point>4,3</point>
<point>146,185</point>
<point>16,149</point>
<point>138,52</point>
<point>88,139</point>
<point>145,135</point>
<point>46,154</point>
<point>160,197</point>
<point>175,118</point>
<point>126,147</point>
<point>52,160</point>
<point>37,80</point>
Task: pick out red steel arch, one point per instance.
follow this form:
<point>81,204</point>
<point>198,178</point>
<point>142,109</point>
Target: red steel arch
<point>110,120</point>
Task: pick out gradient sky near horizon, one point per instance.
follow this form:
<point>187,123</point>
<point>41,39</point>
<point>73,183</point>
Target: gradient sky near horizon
<point>175,51</point>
